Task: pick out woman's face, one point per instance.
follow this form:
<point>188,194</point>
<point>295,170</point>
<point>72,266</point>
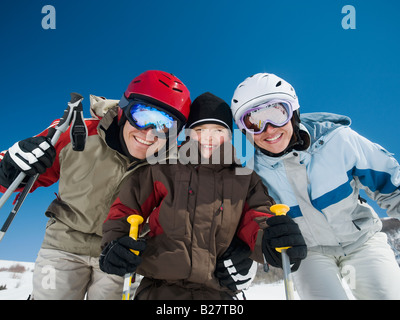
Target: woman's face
<point>274,139</point>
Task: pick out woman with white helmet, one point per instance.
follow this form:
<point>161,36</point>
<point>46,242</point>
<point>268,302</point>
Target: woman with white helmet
<point>317,165</point>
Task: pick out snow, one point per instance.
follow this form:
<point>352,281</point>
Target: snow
<point>19,285</point>
<point>276,291</point>
<point>271,291</point>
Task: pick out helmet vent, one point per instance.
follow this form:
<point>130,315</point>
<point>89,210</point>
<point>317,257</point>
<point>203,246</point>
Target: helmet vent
<point>278,84</point>
<point>163,83</point>
<point>137,81</point>
<point>166,76</point>
<point>235,101</point>
<point>176,89</point>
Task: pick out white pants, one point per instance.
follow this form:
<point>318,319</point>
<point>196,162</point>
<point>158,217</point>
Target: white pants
<point>371,273</point>
<point>59,275</point>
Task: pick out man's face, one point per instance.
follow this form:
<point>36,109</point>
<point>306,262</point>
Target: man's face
<point>141,143</point>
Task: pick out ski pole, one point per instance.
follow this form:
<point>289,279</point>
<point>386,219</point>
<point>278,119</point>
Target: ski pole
<point>282,209</point>
<point>55,134</point>
<point>74,106</point>
<point>134,220</point>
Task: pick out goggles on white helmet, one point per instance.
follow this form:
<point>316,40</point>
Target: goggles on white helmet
<point>275,112</point>
<point>257,90</point>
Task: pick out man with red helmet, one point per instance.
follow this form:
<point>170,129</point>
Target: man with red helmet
<point>120,137</point>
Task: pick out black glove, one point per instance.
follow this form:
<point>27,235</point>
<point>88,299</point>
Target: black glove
<point>31,156</point>
<point>282,231</point>
<point>234,269</point>
<point>117,258</point>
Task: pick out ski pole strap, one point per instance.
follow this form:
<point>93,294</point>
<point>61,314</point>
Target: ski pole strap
<point>68,117</point>
<point>78,130</point>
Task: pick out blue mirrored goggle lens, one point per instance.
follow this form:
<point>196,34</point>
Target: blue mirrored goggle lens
<point>144,116</point>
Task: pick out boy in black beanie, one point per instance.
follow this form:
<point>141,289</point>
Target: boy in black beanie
<point>204,220</point>
<point>208,108</point>
<point>210,128</point>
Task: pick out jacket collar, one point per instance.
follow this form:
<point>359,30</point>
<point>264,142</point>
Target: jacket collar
<point>316,127</point>
<point>320,124</point>
<point>99,106</point>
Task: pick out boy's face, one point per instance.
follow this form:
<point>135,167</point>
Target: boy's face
<point>209,136</point>
<point>141,142</point>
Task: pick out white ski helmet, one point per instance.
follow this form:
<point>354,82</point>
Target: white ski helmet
<point>258,89</point>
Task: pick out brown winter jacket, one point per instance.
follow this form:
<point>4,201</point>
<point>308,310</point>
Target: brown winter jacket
<point>193,211</point>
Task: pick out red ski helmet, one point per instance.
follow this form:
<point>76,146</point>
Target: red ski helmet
<point>163,90</point>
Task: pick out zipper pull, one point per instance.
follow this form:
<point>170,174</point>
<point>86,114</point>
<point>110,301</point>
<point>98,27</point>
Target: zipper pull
<point>220,209</point>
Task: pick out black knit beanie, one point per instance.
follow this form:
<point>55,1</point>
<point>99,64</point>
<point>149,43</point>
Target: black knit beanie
<point>208,108</point>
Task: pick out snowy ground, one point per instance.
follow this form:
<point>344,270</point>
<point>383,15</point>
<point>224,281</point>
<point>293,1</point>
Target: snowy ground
<point>272,291</point>
<point>19,285</point>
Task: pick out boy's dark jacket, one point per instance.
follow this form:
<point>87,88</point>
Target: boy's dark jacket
<point>193,212</point>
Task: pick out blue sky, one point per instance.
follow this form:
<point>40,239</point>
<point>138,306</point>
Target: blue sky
<point>99,46</point>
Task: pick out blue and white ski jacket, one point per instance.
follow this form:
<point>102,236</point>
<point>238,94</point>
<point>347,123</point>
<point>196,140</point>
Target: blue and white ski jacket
<point>321,184</point>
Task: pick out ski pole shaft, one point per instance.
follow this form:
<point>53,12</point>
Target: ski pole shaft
<point>18,205</point>
<point>54,133</point>
<point>12,188</point>
<point>134,220</point>
<point>281,209</point>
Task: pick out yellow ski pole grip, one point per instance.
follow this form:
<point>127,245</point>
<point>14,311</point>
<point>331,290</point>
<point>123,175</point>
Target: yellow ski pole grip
<point>280,210</point>
<point>134,220</point>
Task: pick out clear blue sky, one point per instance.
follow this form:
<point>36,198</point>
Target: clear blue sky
<point>99,46</point>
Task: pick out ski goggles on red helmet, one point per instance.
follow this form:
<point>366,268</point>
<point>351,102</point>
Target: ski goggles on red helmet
<point>275,112</point>
<point>143,115</point>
